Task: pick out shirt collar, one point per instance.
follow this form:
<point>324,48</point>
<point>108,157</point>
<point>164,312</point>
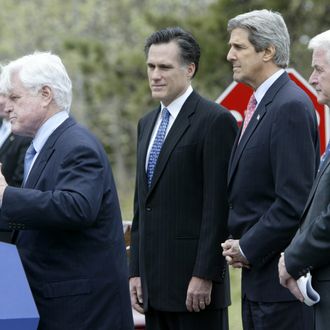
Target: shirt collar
<point>47,129</point>
<point>263,88</point>
<point>175,107</point>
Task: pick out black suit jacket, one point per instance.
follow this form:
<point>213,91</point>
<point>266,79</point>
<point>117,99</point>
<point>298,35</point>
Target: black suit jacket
<point>181,220</point>
<point>270,174</point>
<point>310,248</point>
<point>12,154</point>
<point>70,235</point>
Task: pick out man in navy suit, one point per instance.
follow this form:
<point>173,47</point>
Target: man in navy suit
<point>271,170</point>
<point>12,152</point>
<point>66,218</point>
<point>178,276</point>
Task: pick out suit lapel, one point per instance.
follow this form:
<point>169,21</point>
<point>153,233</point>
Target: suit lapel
<point>45,154</point>
<point>144,143</point>
<point>315,185</point>
<point>256,119</point>
<point>180,125</point>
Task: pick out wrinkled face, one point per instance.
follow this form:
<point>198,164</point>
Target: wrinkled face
<point>168,77</point>
<point>247,63</point>
<point>320,77</point>
<point>24,109</point>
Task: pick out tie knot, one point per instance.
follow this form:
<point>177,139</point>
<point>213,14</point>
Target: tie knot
<point>31,151</point>
<point>252,104</point>
<point>165,114</point>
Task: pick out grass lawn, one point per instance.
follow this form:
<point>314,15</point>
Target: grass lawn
<point>235,322</point>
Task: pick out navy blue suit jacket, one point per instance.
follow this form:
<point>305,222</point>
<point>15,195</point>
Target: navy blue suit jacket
<point>181,220</point>
<point>70,234</point>
<point>271,172</point>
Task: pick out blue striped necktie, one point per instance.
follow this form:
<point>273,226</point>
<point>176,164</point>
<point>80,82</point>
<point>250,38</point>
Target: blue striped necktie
<point>157,145</point>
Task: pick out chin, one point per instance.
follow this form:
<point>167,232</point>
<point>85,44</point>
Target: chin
<point>237,77</point>
<point>157,96</point>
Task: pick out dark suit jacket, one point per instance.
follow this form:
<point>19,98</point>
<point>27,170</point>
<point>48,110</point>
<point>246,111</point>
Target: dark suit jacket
<point>71,236</point>
<point>12,154</point>
<point>270,174</point>
<point>310,248</point>
<point>181,220</point>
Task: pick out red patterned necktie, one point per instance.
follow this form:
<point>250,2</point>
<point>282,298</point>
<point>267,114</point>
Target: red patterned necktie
<point>251,107</point>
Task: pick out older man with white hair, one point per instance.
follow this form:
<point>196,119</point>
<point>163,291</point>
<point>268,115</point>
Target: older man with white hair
<point>66,217</point>
<point>309,251</point>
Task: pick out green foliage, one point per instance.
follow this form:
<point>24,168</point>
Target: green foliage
<point>101,43</point>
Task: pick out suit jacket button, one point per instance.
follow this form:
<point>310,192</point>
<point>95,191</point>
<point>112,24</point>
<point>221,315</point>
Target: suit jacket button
<point>148,208</point>
<point>230,205</point>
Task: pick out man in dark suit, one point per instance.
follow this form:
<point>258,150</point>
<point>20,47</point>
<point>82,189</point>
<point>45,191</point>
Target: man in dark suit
<point>271,170</point>
<point>12,151</point>
<point>310,249</point>
<point>178,276</point>
<point>67,219</point>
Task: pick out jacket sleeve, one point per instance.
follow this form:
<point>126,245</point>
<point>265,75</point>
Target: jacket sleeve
<point>218,143</point>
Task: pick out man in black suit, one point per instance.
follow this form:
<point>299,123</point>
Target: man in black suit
<point>66,217</point>
<point>310,249</point>
<point>271,170</point>
<point>12,152</point>
<point>178,276</point>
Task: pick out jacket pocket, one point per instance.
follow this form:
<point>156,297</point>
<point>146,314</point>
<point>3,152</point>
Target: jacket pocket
<point>67,288</point>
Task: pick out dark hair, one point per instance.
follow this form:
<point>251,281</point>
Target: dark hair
<point>189,48</point>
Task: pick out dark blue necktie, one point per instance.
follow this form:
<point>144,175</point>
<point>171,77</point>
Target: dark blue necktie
<point>157,145</point>
<point>30,153</point>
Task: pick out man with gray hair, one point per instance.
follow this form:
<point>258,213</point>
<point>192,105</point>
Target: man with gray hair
<point>271,170</point>
<point>309,251</point>
<point>66,217</point>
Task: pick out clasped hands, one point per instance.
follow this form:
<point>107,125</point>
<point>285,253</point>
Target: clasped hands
<point>233,255</point>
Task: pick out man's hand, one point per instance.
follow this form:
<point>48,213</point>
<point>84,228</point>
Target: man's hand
<point>198,294</point>
<point>135,289</point>
<point>3,184</point>
<point>287,280</point>
<point>233,254</point>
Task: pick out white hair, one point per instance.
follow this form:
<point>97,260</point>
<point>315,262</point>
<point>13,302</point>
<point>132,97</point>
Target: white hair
<point>36,71</point>
<point>321,41</point>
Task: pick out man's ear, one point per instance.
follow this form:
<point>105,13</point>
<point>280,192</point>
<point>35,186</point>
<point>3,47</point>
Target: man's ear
<point>269,53</point>
<point>46,94</point>
<point>191,70</point>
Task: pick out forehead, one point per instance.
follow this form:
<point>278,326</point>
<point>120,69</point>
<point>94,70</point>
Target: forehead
<point>165,52</point>
<point>239,35</point>
<point>16,83</point>
<point>319,57</point>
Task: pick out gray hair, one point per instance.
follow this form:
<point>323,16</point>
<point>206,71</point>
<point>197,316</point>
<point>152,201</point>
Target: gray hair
<point>36,71</point>
<point>321,41</point>
<point>265,28</point>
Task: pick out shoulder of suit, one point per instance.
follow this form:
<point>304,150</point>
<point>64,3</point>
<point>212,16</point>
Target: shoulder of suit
<point>212,107</point>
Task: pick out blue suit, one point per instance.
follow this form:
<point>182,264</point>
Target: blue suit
<point>70,235</point>
<point>271,172</point>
